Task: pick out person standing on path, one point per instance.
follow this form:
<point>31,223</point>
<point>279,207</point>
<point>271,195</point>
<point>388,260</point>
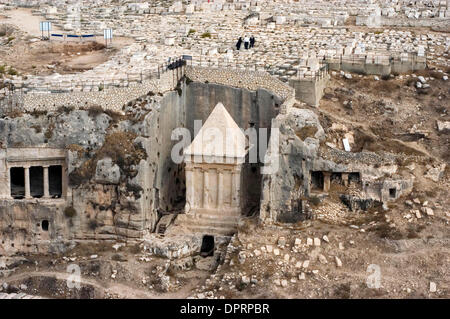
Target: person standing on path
<point>238,44</point>
<point>252,41</point>
<point>246,42</point>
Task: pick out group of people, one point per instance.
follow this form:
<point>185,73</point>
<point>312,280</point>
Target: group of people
<point>249,42</point>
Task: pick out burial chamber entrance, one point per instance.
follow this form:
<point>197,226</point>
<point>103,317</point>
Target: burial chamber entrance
<point>17,178</point>
<point>35,173</point>
<point>207,248</point>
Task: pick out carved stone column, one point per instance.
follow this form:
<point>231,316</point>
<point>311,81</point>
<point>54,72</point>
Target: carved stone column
<point>27,182</point>
<point>220,189</point>
<point>236,191</point>
<point>9,196</point>
<point>46,183</point>
<point>190,199</point>
<point>345,178</point>
<point>326,181</point>
<point>205,188</point>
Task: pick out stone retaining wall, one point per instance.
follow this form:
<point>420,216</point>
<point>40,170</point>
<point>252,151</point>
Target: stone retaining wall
<point>115,98</point>
<point>110,99</point>
<point>250,80</point>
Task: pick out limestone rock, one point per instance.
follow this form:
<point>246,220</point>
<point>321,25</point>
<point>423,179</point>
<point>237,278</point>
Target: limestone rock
<point>316,242</point>
<point>282,241</point>
<point>443,126</point>
<point>107,172</point>
<point>428,211</point>
<point>433,286</point>
<point>323,259</point>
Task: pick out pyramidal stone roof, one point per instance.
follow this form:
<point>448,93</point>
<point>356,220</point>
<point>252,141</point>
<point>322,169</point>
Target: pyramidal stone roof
<point>220,136</point>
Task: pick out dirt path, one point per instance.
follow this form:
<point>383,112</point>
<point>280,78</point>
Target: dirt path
<point>25,21</point>
<point>121,290</point>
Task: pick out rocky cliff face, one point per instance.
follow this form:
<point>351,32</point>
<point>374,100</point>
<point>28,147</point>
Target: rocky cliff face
<point>116,165</point>
<point>300,134</point>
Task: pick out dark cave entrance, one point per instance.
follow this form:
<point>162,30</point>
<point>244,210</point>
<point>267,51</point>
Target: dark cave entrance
<point>37,181</point>
<point>17,177</point>
<point>317,181</point>
<point>207,246</point>
<point>45,225</point>
<point>392,192</point>
<point>55,181</point>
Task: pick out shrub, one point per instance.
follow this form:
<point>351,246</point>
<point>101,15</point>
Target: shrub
<point>70,212</point>
<point>315,201</point>
<point>37,128</point>
<point>306,131</point>
<point>95,110</point>
<point>11,71</point>
<point>65,109</point>
<point>188,80</point>
<point>93,224</point>
<point>118,257</point>
<point>206,35</point>
<point>192,31</point>
<point>49,132</point>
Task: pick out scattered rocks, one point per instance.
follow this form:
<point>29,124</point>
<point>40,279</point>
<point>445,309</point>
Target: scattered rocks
<point>323,259</point>
<point>316,242</point>
<point>281,241</point>
<point>338,261</point>
<point>433,286</point>
<point>428,211</point>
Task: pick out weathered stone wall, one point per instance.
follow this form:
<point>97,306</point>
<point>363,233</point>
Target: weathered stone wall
<point>309,90</point>
<point>109,99</point>
<point>298,152</point>
<point>250,80</point>
<point>359,65</point>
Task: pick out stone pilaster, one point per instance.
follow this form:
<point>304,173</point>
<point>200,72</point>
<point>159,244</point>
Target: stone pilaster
<point>236,190</point>
<point>326,181</point>
<point>46,183</point>
<point>345,178</point>
<point>190,199</point>
<point>205,189</point>
<point>220,189</point>
<point>27,182</point>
